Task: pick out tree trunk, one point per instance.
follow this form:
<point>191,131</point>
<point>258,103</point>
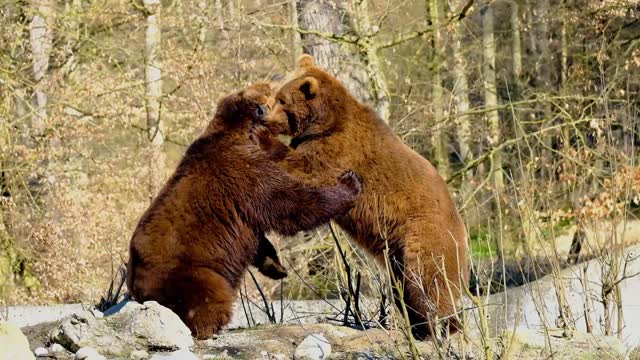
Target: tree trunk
<point>491,102</point>
<point>362,74</point>
<point>153,93</point>
<point>461,98</point>
<point>516,51</point>
<point>543,62</point>
<point>203,24</point>
<point>564,53</point>
<point>369,52</point>
<point>41,42</point>
<point>296,40</point>
<point>217,4</point>
<point>440,155</point>
<point>334,57</point>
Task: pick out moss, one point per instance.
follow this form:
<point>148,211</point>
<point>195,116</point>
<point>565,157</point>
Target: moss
<point>14,265</point>
<point>480,243</point>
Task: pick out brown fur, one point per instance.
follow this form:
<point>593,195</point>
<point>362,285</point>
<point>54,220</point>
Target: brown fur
<point>194,243</point>
<point>406,205</point>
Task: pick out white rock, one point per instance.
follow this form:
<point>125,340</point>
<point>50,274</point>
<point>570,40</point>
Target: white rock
<point>176,355</point>
<point>56,348</point>
<point>87,353</point>
<point>13,343</point>
<point>313,347</point>
<point>41,351</point>
<point>136,326</point>
<point>97,313</point>
<point>139,355</point>
<point>161,326</point>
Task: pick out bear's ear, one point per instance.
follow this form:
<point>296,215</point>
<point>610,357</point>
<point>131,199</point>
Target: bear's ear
<point>305,61</point>
<point>309,87</point>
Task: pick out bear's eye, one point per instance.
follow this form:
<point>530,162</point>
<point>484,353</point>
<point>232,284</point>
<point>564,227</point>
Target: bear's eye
<point>261,111</point>
<point>281,101</point>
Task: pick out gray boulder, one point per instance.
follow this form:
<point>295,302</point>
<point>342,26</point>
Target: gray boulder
<point>148,327</point>
<point>313,347</point>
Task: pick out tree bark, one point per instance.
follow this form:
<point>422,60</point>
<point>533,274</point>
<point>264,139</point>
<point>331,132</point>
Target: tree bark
<point>564,53</point>
<point>41,42</point>
<point>369,53</point>
<point>296,40</point>
<point>544,56</point>
<point>334,57</point>
<point>357,67</point>
<point>438,142</point>
<point>461,99</point>
<point>491,101</point>
<point>153,93</point>
<point>516,51</point>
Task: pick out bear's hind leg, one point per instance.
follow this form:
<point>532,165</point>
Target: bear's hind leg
<point>203,299</point>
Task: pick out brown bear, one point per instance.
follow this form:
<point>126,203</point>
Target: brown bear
<point>193,244</point>
<point>406,210</point>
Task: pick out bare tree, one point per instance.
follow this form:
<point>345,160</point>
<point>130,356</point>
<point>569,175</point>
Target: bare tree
<point>153,94</point>
<point>438,141</point>
<point>491,103</point>
<point>41,41</point>
<point>516,47</point>
<point>461,94</point>
<point>369,50</point>
<point>296,40</point>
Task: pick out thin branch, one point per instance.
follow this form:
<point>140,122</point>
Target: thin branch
<point>480,159</point>
<point>344,38</point>
<point>414,34</point>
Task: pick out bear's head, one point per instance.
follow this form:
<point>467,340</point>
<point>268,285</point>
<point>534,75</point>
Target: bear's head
<point>309,103</point>
<point>239,111</point>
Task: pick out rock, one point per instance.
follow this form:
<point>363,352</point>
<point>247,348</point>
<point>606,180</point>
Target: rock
<point>176,355</point>
<point>97,313</point>
<point>279,342</point>
<point>139,355</point>
<point>41,351</point>
<point>87,353</point>
<point>135,327</point>
<point>313,347</point>
<point>160,326</point>
<point>13,343</point>
<point>57,348</point>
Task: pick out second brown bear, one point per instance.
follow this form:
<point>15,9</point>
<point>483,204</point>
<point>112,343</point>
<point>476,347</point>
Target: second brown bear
<point>405,211</point>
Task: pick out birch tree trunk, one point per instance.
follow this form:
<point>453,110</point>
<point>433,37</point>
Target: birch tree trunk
<point>440,155</point>
<point>369,52</point>
<point>296,40</point>
<point>516,51</point>
<point>461,98</point>
<point>153,93</point>
<point>491,102</point>
<point>41,42</point>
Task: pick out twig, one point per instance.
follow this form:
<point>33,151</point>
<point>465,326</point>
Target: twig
<point>267,309</point>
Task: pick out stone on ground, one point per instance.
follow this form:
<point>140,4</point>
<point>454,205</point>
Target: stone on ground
<point>176,355</point>
<point>147,327</point>
<point>13,343</point>
<point>313,347</point>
